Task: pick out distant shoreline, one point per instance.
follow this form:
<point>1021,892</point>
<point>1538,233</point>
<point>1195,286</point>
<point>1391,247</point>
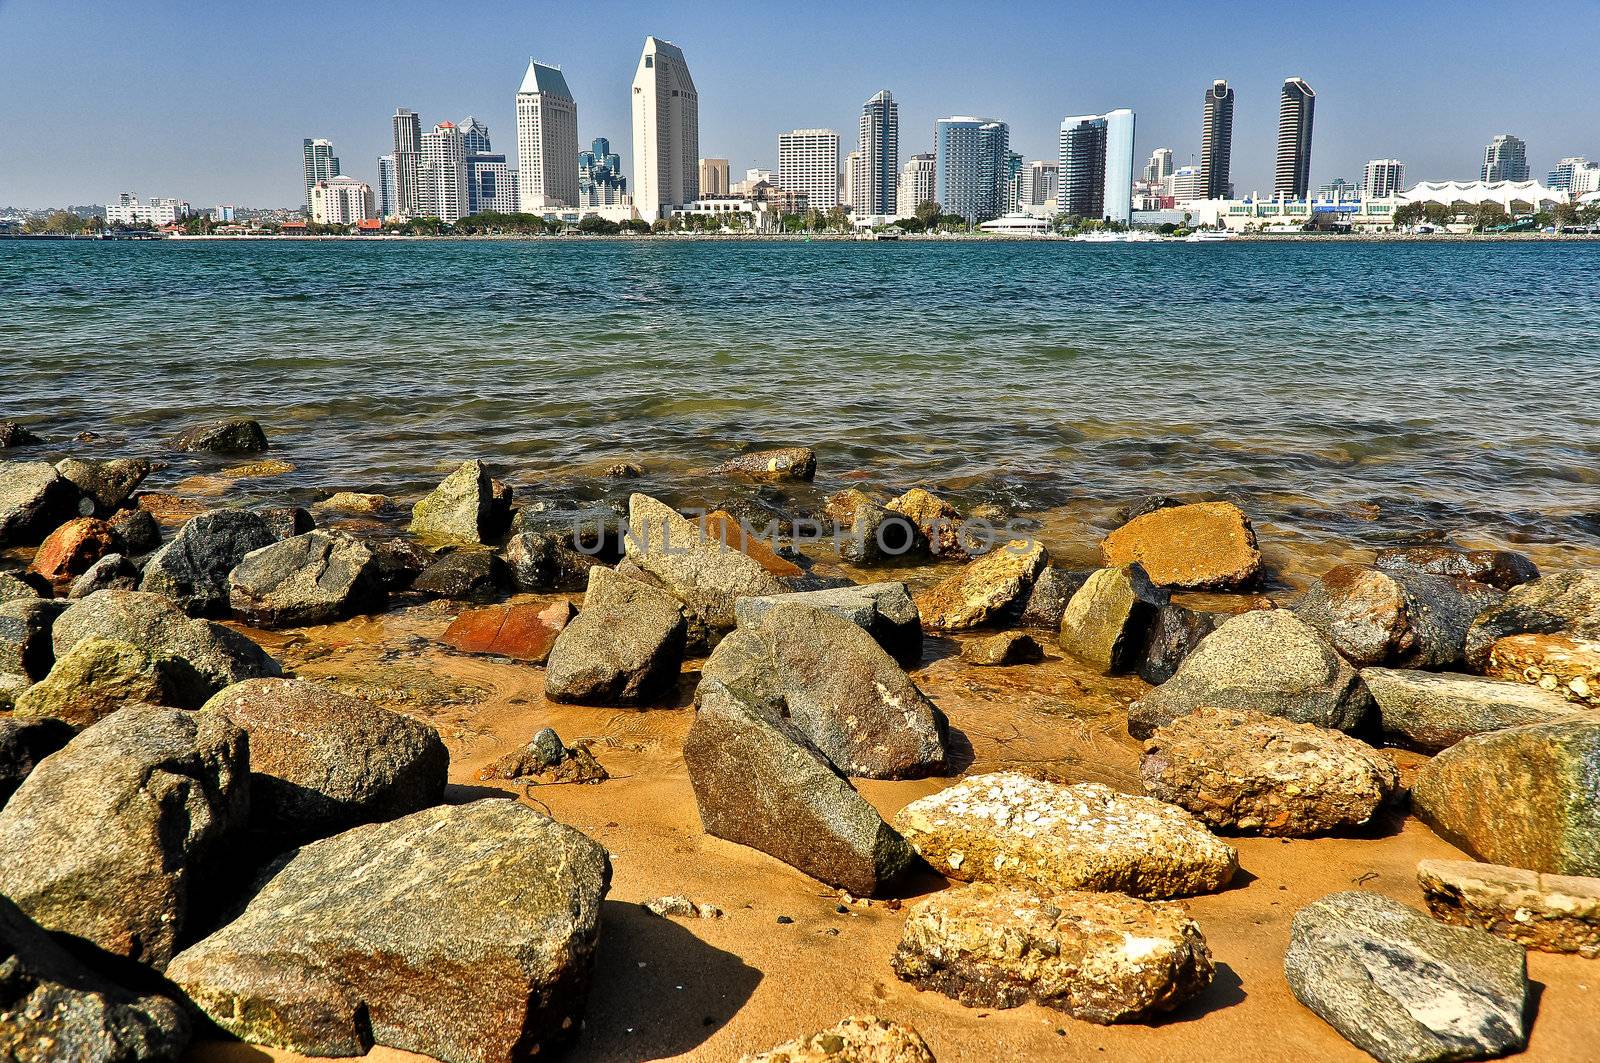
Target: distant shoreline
<point>1407,238</point>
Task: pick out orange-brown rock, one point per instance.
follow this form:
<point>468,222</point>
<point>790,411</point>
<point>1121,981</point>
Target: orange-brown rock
<point>1564,664</point>
<point>723,527</point>
<point>68,551</point>
<point>1203,546</point>
<point>522,631</point>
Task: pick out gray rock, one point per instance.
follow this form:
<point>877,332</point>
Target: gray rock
<point>1268,660</point>
<point>214,656</point>
<point>1107,623</point>
<point>25,642</point>
<point>1566,602</point>
<point>1430,711</point>
<point>700,570</point>
<point>105,485</point>
<point>314,578</point>
<point>33,500</point>
<point>883,610</point>
<point>1404,988</point>
<point>545,561</point>
<point>1173,635</point>
<point>758,781</point>
<point>109,838</point>
<point>14,588</point>
<point>1400,618</point>
<point>1502,569</point>
<point>138,530</point>
<point>465,574</point>
<point>400,561</point>
<point>322,762</point>
<point>458,511</point>
<point>1053,588</point>
<point>13,434</point>
<point>55,1008</point>
<point>836,686</point>
<point>287,521</point>
<point>624,648</point>
<point>96,678</point>
<point>193,568</point>
<point>23,744</point>
<point>238,435</point>
<point>368,938</point>
<point>113,572</point>
<point>877,535</point>
<point>781,463</point>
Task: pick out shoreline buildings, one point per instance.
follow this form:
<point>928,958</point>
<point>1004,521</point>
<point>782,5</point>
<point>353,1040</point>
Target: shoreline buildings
<point>880,156</point>
<point>915,186</point>
<point>1216,142</point>
<point>1384,177</point>
<point>714,178</point>
<point>600,179</point>
<point>407,163</point>
<point>442,175</point>
<point>972,164</point>
<point>547,140</point>
<point>1296,108</point>
<point>1096,166</point>
<point>342,201</point>
<point>1505,159</point>
<point>808,165</point>
<point>321,163</point>
<point>666,131</point>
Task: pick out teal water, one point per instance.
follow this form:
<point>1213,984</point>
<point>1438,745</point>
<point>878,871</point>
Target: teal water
<point>1449,386</point>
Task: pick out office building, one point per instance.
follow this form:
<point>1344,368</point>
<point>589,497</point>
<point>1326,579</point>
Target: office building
<point>1096,166</point>
<point>1561,177</point>
<point>600,179</point>
<point>1505,159</point>
<point>1296,108</point>
<point>547,140</point>
<point>475,136</point>
<point>1159,168</point>
<point>442,175</point>
<point>1036,184</point>
<point>808,164</point>
<point>128,211</point>
<point>972,158</point>
<point>1384,177</point>
<point>666,130</point>
<point>714,178</point>
<point>880,156</point>
<point>915,186</point>
<point>342,201</point>
<point>386,189</point>
<point>407,163</point>
<point>321,163</point>
<point>491,184</point>
<point>1216,142</point>
<point>1185,184</point>
<point>850,181</point>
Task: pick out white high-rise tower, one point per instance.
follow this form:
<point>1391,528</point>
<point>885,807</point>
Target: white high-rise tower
<point>666,131</point>
<point>880,156</point>
<point>547,140</point>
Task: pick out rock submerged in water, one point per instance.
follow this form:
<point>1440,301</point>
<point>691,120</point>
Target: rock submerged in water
<point>238,435</point>
<point>1107,623</point>
<point>1013,830</point>
<point>1561,664</point>
<point>1201,546</point>
<point>1404,988</point>
<point>858,1039</point>
<point>985,589</point>
<point>193,568</point>
<point>1431,711</point>
<point>523,631</point>
<point>1099,957</point>
<point>883,610</point>
<point>1400,619</point>
<point>1006,648</point>
<point>362,939</point>
<point>13,434</point>
<point>315,578</point>
<point>1502,569</point>
<point>460,511</point>
<point>782,463</point>
<point>624,648</point>
<point>1562,603</point>
<point>96,678</point>
<point>1550,913</point>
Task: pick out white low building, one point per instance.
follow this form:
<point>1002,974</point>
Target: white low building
<point>1018,224</point>
<point>127,210</point>
<point>342,201</point>
<point>1526,195</point>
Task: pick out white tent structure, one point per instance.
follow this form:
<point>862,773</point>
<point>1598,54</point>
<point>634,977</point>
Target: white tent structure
<point>1505,193</point>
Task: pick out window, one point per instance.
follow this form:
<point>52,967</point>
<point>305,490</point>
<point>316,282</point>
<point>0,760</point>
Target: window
<point>649,62</point>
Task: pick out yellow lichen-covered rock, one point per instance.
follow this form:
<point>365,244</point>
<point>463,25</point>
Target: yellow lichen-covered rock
<point>858,1039</point>
<point>983,588</point>
<point>1204,546</point>
<point>1562,664</point>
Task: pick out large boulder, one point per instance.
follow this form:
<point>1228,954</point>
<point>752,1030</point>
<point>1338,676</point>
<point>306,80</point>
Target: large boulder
<point>780,463</point>
<point>1430,711</point>
<point>322,762</point>
<point>700,570</point>
<point>313,578</point>
<point>462,932</point>
<point>459,511</point>
<point>1562,664</point>
<point>985,590</point>
<point>1267,660</point>
<point>104,485</point>
<point>70,550</point>
<point>759,781</point>
<point>33,500</point>
<point>1014,830</point>
<point>858,1039</point>
<point>1502,569</point>
<point>1203,546</point>
<point>1525,796</point>
<point>109,839</point>
<point>23,744</point>
<point>1053,588</point>
<point>624,648</point>
<point>53,1007</point>
<point>236,435</point>
<point>193,568</point>
<point>1245,771</point>
<point>1403,988</point>
<point>1107,623</point>
<point>1563,603</point>
<point>883,610</point>
<point>96,678</point>
<point>209,656</point>
<point>1099,957</point>
<point>26,647</point>
<point>1402,619</point>
<point>1173,635</point>
<point>837,687</point>
<point>937,521</point>
<point>1550,913</point>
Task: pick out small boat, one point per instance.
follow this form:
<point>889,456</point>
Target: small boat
<point>1206,236</point>
<point>1132,236</point>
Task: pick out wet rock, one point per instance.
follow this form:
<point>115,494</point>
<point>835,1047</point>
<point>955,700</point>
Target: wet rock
<point>23,744</point>
<point>1561,664</point>
<point>596,531</point>
<point>1202,546</point>
<point>355,503</point>
<point>1052,590</point>
<point>1006,648</point>
<point>466,574</point>
<point>113,572</point>
<point>624,648</point>
<point>836,686</point>
<point>208,656</point>
<point>286,522</point>
<point>33,500</point>
<point>314,578</point>
<point>840,507</point>
<point>1550,913</point>
<point>322,762</point>
<point>459,511</point>
<point>782,463</point>
<point>877,536</point>
<point>1173,635</point>
<point>1147,504</point>
<point>96,678</point>
<point>16,589</point>
<point>363,939</point>
<point>1404,988</point>
<point>858,1039</point>
<point>545,561</point>
<point>1099,957</point>
<point>938,521</point>
<point>105,485</point>
<point>55,1008</point>
<point>400,562</point>
<point>237,435</point>
<point>25,641</point>
<point>1430,711</point>
<point>883,610</point>
<point>1248,772</point>
<point>67,552</point>
<point>1268,660</point>
<point>137,529</point>
<point>626,470</point>
<point>722,527</point>
<point>1013,830</point>
<point>699,571</point>
<point>1502,569</point>
<point>544,751</point>
<point>13,434</point>
<point>1524,796</point>
<point>1401,619</point>
<point>985,589</point>
<point>758,781</point>
<point>193,568</point>
<point>1107,623</point>
<point>109,838</point>
<point>1563,603</point>
<point>524,631</point>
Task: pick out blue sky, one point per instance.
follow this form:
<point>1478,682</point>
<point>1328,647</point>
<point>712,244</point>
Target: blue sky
<point>210,100</point>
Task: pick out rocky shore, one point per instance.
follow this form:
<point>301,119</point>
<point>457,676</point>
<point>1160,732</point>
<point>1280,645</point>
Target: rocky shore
<point>843,775</point>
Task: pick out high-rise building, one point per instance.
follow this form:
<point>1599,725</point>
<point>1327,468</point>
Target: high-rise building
<point>442,175</point>
<point>1505,159</point>
<point>1159,168</point>
<point>491,184</point>
<point>1296,107</point>
<point>475,136</point>
<point>1185,185</point>
<point>1216,142</point>
<point>1096,166</point>
<point>666,130</point>
<point>1037,184</point>
<point>385,190</point>
<point>880,156</point>
<point>600,180</point>
<point>1385,177</point>
<point>1338,190</point>
<point>342,201</point>
<point>972,161</point>
<point>714,178</point>
<point>1560,178</point>
<point>915,186</point>
<point>850,191</point>
<point>547,140</point>
<point>808,163</point>
<point>407,163</point>
<point>321,163</point>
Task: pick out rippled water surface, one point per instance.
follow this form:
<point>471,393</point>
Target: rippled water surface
<point>1336,389</point>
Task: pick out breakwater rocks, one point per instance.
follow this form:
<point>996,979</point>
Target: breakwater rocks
<point>256,844</point>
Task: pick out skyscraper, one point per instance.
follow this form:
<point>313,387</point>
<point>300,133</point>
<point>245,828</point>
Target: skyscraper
<point>491,184</point>
<point>1505,159</point>
<point>321,163</point>
<point>1385,177</point>
<point>386,196</point>
<point>547,140</point>
<point>600,180</point>
<point>1560,178</point>
<point>1216,142</point>
<point>1037,183</point>
<point>850,192</point>
<point>407,163</point>
<point>475,136</point>
<point>972,161</point>
<point>1159,168</point>
<point>880,155</point>
<point>442,175</point>
<point>808,163</point>
<point>714,177</point>
<point>916,184</point>
<point>1096,166</point>
<point>666,130</point>
<point>1296,108</point>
